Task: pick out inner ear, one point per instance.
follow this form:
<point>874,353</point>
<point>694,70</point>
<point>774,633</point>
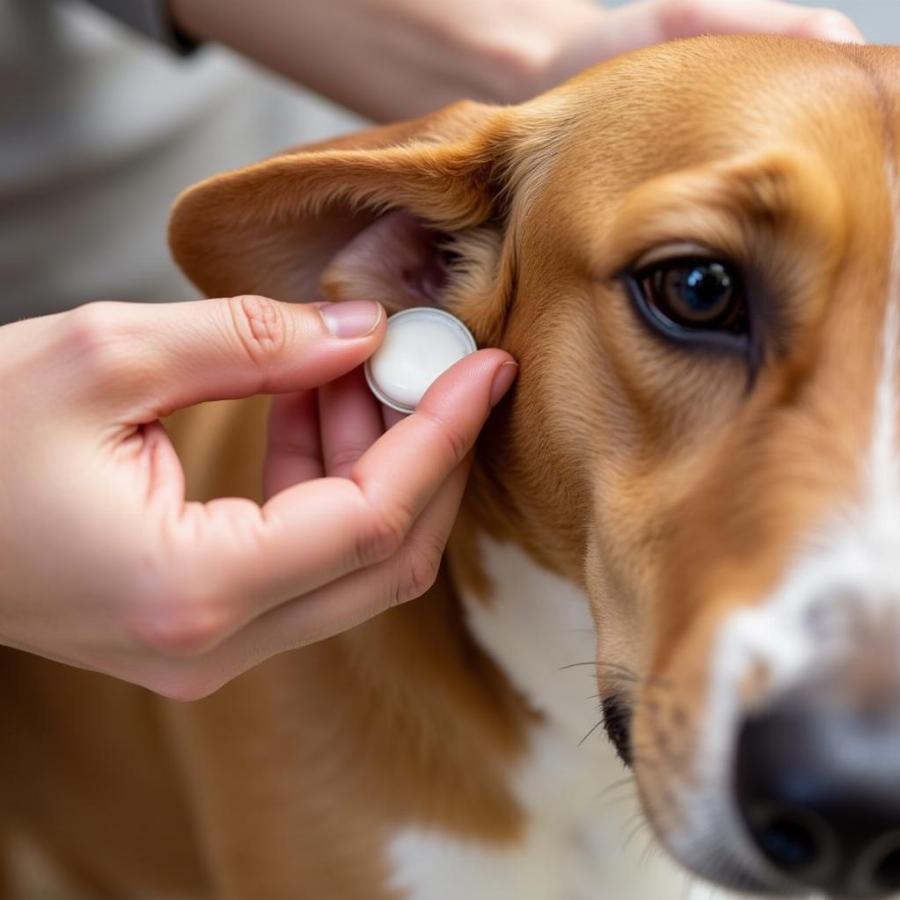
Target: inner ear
<point>401,260</point>
<point>398,260</point>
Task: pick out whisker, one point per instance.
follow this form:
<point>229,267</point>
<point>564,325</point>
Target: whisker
<point>623,789</point>
<point>622,671</point>
<point>619,802</point>
<point>651,849</point>
<point>636,830</point>
<point>627,781</point>
<point>593,729</point>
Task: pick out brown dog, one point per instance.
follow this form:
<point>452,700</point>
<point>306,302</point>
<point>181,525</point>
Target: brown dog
<point>692,251</point>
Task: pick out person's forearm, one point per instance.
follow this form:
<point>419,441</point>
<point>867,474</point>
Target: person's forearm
<point>394,59</point>
<point>390,59</point>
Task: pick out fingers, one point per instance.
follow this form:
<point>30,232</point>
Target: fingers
<point>830,25</point>
<point>153,359</point>
<point>236,561</point>
<point>311,436</point>
<point>294,452</point>
<point>390,417</point>
<point>357,597</point>
<point>330,610</point>
<point>685,18</point>
<point>319,531</point>
<point>350,420</point>
<point>604,33</point>
<point>397,475</point>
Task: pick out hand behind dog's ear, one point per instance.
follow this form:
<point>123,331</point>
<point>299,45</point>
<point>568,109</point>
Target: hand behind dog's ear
<point>368,215</point>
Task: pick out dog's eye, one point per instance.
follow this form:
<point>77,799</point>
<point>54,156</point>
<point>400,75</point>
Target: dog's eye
<point>694,294</point>
<point>685,298</point>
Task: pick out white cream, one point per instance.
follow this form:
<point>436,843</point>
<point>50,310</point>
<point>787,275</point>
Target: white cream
<point>420,345</point>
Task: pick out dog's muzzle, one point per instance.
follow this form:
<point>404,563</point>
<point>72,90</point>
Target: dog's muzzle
<point>817,783</point>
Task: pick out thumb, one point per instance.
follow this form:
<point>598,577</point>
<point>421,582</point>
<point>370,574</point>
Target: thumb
<point>186,353</point>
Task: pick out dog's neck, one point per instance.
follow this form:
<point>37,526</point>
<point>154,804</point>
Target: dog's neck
<point>531,619</point>
<point>537,628</point>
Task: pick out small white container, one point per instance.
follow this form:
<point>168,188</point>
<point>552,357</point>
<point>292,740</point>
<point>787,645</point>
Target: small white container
<point>420,345</point>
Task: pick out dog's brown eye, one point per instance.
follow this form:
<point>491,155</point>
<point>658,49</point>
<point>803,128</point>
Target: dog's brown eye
<point>695,294</point>
<point>693,300</point>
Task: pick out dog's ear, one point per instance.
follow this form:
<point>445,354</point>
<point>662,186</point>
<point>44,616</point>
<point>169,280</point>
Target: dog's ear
<point>389,214</point>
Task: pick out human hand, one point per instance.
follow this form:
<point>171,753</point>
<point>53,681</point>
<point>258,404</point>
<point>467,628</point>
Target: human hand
<point>599,34</point>
<point>103,564</point>
<point>402,58</point>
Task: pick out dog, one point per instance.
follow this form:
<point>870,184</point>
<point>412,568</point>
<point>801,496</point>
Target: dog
<point>692,497</point>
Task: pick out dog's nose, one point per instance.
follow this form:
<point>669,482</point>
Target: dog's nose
<point>818,786</point>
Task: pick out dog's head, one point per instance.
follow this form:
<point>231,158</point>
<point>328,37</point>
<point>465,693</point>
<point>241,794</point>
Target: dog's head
<point>693,253</point>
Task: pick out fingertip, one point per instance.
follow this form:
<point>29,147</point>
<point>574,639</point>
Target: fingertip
<point>481,364</point>
<point>832,25</point>
<point>503,381</point>
<point>492,367</point>
<point>486,373</point>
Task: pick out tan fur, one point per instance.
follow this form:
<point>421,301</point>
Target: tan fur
<point>653,476</point>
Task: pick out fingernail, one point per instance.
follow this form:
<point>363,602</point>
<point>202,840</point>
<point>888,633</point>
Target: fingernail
<point>503,380</point>
<point>353,318</point>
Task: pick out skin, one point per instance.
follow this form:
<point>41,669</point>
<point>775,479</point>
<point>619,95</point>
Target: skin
<point>184,595</point>
<point>431,54</point>
<point>99,617</point>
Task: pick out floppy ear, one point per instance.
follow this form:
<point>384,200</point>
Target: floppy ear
<point>393,214</point>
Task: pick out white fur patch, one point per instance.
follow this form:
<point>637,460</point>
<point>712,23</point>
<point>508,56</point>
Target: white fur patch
<point>845,573</point>
<point>575,841</point>
<point>535,625</point>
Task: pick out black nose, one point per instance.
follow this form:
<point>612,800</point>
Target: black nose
<point>818,785</point>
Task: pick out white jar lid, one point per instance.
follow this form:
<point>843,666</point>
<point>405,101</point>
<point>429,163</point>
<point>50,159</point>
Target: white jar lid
<point>420,345</point>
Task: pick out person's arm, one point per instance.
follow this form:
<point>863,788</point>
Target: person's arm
<point>390,59</point>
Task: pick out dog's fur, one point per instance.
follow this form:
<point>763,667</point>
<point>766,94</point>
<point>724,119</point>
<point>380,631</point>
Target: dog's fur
<point>697,499</point>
